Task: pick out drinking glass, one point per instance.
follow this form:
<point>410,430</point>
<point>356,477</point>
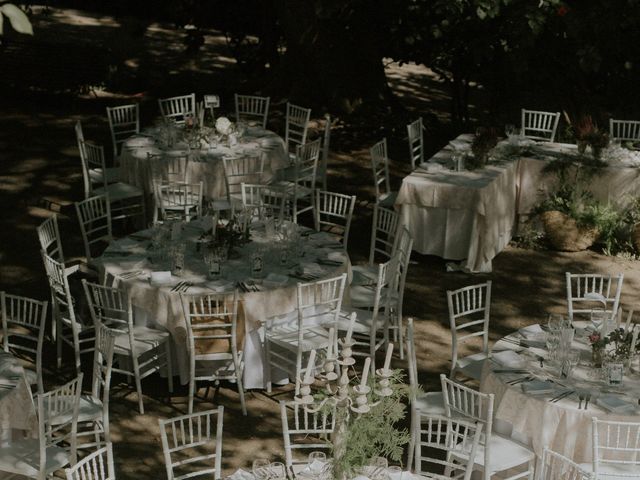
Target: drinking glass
<point>316,462</point>
<point>554,322</point>
<point>553,342</point>
<point>276,470</point>
<point>378,467</point>
<point>260,469</point>
<point>257,262</point>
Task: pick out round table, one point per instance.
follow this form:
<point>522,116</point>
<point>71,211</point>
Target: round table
<point>536,419</point>
<point>271,298</point>
<point>205,164</point>
<point>17,411</point>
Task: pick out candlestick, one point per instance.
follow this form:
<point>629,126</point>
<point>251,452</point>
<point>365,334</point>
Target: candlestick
<point>387,360</point>
<point>352,322</point>
<point>332,332</point>
<point>310,364</point>
<point>365,372</point>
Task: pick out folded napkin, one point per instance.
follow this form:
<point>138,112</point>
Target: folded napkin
<point>140,141</point>
<point>432,167</point>
<point>532,331</point>
<point>510,359</point>
<point>538,387</point>
<point>275,280</point>
<point>321,237</point>
<point>309,268</point>
<point>159,279</point>
<point>221,285</point>
<point>125,244</point>
<point>615,404</point>
<point>241,474</point>
<point>459,144</point>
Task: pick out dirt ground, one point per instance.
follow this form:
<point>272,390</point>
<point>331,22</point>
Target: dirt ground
<point>40,174</point>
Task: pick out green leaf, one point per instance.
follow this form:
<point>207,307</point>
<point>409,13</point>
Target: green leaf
<point>18,19</point>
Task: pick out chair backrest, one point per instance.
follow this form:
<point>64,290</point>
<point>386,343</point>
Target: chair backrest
<point>380,165</point>
<point>616,447</point>
<point>384,231</point>
<point>439,437</point>
<point>297,124</point>
<point>49,237</point>
<point>593,290</point>
<point>212,325</point>
<point>95,466</point>
<point>305,430</point>
<point>462,401</point>
<point>109,306</point>
<point>23,324</point>
<point>124,121</point>
<point>102,369</point>
<point>62,301</point>
<point>558,467</point>
<point>333,212</point>
<point>402,254</point>
<point>252,108</point>
<point>79,136</point>
<point>539,125</point>
<point>192,444</point>
<point>624,130</point>
<point>415,131</point>
<point>167,167</point>
<point>246,168</point>
<point>94,215</point>
<point>469,312</point>
<point>58,419</point>
<point>260,200</point>
<point>321,175</point>
<point>411,358</point>
<point>306,164</point>
<point>179,201</point>
<point>177,109</point>
<point>93,161</point>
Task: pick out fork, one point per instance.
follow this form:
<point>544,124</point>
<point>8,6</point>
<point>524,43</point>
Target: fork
<point>587,398</point>
<point>581,397</point>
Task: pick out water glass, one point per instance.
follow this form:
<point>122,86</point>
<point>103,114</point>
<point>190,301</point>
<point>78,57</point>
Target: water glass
<point>260,468</point>
<point>554,322</point>
<point>214,265</point>
<point>276,470</point>
<point>257,262</point>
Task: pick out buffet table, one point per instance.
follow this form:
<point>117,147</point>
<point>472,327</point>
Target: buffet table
<point>269,298</point>
<point>205,161</point>
<point>530,408</point>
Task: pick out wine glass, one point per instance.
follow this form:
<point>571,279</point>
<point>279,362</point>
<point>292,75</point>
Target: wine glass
<point>573,358</point>
<point>554,322</point>
<point>260,468</point>
<point>553,342</point>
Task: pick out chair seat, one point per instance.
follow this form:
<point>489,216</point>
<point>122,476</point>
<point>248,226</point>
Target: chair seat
<point>472,365</point>
<point>287,337</point>
<point>505,453</point>
<point>364,318</point>
<point>119,191</point>
<point>23,457</point>
<point>290,188</point>
<point>215,366</point>
<point>364,275</point>
<point>431,403</point>
<point>145,340</point>
<point>97,175</point>
<point>388,199</point>
<point>614,471</point>
<point>89,409</point>
<point>363,296</point>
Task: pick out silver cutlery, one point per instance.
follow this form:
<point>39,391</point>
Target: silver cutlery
<point>586,402</point>
<point>178,286</point>
<point>517,381</point>
<point>562,395</point>
<point>580,399</point>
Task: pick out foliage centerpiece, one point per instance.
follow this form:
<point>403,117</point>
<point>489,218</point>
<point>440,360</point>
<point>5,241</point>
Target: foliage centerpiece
<point>483,142</point>
<point>586,132</point>
<point>619,345</point>
<point>366,413</point>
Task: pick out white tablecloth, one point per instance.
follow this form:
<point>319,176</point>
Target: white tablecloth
<point>561,426</point>
<point>206,165</point>
<point>465,215</point>
<point>160,307</point>
<point>16,407</point>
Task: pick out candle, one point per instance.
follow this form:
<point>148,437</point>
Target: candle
<point>365,372</point>
<point>352,322</point>
<point>387,360</point>
<point>310,364</point>
<point>332,332</point>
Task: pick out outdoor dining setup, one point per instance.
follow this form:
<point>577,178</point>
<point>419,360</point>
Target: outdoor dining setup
<point>215,255</point>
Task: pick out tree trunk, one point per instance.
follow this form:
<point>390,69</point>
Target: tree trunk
<point>333,56</point>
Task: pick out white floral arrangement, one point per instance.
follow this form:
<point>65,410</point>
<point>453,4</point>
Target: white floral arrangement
<point>620,156</point>
<point>224,126</point>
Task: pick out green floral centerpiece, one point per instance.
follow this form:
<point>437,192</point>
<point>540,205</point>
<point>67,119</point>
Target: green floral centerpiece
<point>587,133</point>
<point>619,345</point>
<point>483,142</point>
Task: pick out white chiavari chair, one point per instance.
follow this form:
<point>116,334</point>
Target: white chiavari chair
<point>139,350</point>
<point>624,130</point>
<point>469,314</point>
<point>415,131</point>
<point>126,200</point>
<point>238,170</point>
<point>384,228</point>
<point>70,329</point>
<point>445,444</point>
<point>296,129</point>
<point>23,324</point>
<point>323,164</point>
<point>616,450</point>
<point>304,431</point>
<point>177,109</point>
<point>124,122</point>
<point>192,444</point>
<point>380,164</point>
<point>333,213</point>
<point>97,174</point>
<point>177,201</point>
<point>495,453</point>
<point>554,466</point>
<point>169,167</point>
<point>95,466</point>
<point>212,341</point>
<point>428,403</point>
<point>289,341</point>
<point>94,216</point>
<point>252,108</point>
<point>55,446</point>
<point>541,126</point>
<point>260,201</point>
<point>589,291</point>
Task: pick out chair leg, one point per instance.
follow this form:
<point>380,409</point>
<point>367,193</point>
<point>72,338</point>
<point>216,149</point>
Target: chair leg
<point>192,387</point>
<point>167,351</point>
<point>267,368</point>
<point>136,374</point>
<point>400,337</point>
<point>241,391</point>
<point>59,346</point>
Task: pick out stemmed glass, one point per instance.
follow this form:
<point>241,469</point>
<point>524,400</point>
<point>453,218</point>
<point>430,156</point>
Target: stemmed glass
<point>276,470</point>
<point>317,461</point>
<point>260,469</point>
